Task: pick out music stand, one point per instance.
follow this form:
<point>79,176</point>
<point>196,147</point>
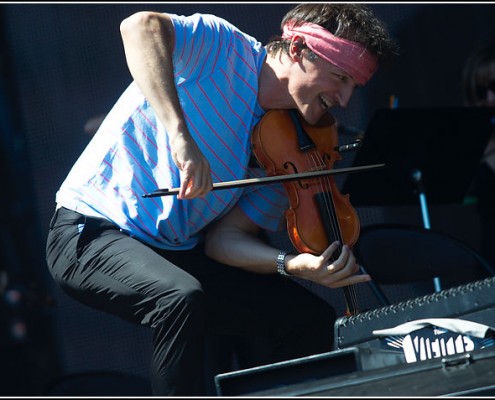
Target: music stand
<point>442,146</point>
<point>444,143</point>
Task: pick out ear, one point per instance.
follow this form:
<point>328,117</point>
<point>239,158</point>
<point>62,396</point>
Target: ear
<point>296,47</point>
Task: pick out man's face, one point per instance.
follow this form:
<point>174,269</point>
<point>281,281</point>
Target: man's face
<point>317,85</point>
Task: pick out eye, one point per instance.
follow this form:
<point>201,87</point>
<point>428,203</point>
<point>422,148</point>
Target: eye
<point>340,77</point>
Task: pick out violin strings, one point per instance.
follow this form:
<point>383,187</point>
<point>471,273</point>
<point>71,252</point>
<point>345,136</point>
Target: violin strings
<point>325,188</point>
<point>325,185</point>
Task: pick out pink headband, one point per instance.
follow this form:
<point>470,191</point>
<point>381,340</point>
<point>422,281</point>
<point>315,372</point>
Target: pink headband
<point>354,59</point>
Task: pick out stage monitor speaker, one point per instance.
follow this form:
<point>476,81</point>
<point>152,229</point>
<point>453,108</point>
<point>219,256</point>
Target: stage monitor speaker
<point>469,374</point>
<point>288,377</point>
<point>473,301</point>
<point>363,367</point>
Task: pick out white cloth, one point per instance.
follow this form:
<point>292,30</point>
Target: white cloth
<point>452,324</point>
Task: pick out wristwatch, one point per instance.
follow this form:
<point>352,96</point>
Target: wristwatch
<point>281,263</point>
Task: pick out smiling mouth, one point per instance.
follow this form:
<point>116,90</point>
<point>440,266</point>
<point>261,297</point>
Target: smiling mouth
<point>325,103</point>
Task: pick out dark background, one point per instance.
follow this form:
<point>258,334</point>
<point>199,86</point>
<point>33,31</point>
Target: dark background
<point>62,64</point>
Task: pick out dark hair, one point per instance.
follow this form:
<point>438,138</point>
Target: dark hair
<point>354,22</point>
<point>476,73</point>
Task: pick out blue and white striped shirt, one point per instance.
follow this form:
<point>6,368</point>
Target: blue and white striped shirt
<point>216,71</point>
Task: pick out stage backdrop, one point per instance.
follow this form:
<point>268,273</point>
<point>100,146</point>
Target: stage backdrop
<point>67,66</point>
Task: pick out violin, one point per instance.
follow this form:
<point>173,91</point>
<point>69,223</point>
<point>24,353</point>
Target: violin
<point>284,143</point>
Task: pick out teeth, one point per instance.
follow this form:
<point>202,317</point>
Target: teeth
<point>324,102</point>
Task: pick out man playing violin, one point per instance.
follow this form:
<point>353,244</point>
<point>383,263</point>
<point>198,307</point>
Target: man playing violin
<point>196,262</point>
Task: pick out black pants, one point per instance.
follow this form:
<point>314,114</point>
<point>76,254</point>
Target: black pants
<point>182,295</point>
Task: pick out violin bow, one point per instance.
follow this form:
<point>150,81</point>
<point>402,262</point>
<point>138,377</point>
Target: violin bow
<point>271,179</point>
